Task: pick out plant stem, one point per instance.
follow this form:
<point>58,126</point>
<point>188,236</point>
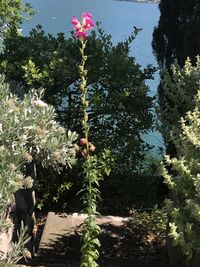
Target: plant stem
<point>89,251</point>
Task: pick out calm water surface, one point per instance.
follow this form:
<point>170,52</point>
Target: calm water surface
<point>117,18</point>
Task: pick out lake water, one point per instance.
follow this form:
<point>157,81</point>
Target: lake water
<point>117,18</point>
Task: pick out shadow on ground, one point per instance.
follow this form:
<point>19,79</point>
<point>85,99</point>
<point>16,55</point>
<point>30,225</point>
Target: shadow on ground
<point>120,247</point>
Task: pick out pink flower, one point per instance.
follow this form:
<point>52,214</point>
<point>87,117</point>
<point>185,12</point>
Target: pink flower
<point>87,21</point>
<point>83,141</point>
<point>86,15</point>
<point>82,28</point>
<point>81,35</point>
<point>76,23</point>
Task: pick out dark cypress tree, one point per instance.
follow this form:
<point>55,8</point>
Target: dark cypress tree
<point>177,34</point>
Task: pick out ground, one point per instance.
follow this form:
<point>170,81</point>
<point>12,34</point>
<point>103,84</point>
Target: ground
<point>120,244</point>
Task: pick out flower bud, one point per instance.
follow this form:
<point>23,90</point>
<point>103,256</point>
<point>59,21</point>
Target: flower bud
<point>82,87</point>
<point>92,147</point>
<point>83,141</point>
<point>85,72</point>
<point>86,117</point>
<point>84,83</point>
<point>81,68</point>
<point>83,123</point>
<point>84,153</point>
<point>83,101</point>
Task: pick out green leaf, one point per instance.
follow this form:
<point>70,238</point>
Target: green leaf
<point>196,244</point>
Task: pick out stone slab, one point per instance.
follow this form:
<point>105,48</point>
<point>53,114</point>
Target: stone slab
<point>65,224</point>
<point>5,241</point>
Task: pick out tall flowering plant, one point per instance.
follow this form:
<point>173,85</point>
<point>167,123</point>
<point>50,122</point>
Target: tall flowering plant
<point>94,167</point>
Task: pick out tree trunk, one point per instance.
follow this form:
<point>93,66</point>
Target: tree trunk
<point>24,209</point>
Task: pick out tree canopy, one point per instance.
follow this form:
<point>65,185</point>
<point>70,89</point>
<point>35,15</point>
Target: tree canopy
<point>12,14</point>
<point>120,108</point>
<point>177,33</point>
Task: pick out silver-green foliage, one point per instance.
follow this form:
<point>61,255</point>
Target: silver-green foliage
<point>184,178</point>
<point>17,250</point>
<point>180,85</point>
<point>28,131</point>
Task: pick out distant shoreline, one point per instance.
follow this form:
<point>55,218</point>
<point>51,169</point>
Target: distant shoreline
<point>143,1</point>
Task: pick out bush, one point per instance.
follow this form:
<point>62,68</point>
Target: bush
<point>183,178</point>
<point>28,133</point>
<point>120,107</point>
<point>150,226</point>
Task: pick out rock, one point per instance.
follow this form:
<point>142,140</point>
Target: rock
<point>5,241</point>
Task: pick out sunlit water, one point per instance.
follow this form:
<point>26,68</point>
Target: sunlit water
<point>117,18</point>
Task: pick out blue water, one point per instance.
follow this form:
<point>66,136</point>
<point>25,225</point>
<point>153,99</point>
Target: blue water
<point>117,18</point>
